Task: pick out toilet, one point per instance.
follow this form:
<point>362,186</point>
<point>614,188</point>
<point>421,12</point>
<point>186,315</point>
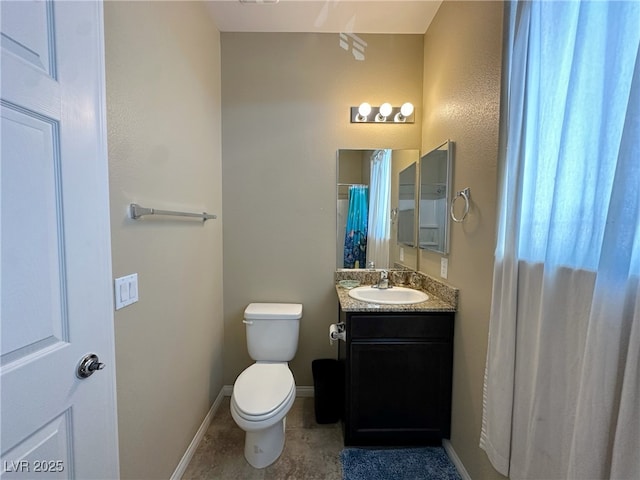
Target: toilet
<point>264,392</point>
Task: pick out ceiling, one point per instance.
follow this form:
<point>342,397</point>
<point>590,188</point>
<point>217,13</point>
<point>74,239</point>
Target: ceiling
<point>324,16</point>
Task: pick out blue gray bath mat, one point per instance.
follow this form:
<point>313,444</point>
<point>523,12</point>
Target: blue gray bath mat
<point>427,463</point>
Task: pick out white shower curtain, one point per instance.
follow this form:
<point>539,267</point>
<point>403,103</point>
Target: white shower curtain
<point>562,380</point>
<point>379,232</point>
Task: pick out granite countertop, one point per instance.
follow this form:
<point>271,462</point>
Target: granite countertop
<point>442,297</point>
<point>348,304</point>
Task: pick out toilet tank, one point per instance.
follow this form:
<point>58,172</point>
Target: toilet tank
<point>272,330</point>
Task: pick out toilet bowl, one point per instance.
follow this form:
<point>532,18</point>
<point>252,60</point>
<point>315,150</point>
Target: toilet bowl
<point>262,396</point>
<point>265,391</point>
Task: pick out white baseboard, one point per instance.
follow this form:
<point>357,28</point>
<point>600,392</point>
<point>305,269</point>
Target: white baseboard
<point>301,391</point>
<point>193,446</point>
<point>453,456</point>
<point>304,391</point>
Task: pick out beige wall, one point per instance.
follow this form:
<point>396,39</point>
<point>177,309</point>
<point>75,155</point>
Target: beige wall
<point>462,60</point>
<point>285,112</point>
<point>163,101</point>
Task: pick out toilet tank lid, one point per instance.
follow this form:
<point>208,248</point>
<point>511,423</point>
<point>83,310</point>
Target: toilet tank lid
<point>273,311</point>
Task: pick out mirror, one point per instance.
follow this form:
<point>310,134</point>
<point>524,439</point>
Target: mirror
<point>407,206</point>
<point>354,167</point>
<point>435,187</point>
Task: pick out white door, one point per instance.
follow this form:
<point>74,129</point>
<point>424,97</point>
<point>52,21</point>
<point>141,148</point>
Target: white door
<point>55,244</point>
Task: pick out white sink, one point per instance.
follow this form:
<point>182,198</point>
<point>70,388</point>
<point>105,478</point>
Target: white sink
<point>392,296</point>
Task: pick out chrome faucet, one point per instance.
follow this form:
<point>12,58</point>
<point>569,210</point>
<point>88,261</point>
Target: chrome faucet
<point>383,283</point>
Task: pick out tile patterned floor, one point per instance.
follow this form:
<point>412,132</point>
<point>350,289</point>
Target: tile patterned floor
<point>311,451</point>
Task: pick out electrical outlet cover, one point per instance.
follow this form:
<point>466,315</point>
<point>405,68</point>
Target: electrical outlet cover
<point>444,267</point>
<point>126,290</point>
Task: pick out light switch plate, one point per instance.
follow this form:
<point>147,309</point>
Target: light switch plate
<point>444,267</point>
<point>126,290</point>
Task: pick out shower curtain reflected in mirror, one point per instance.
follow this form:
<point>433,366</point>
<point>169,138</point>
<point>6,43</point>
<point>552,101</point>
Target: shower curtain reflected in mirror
<point>355,242</point>
<point>379,209</point>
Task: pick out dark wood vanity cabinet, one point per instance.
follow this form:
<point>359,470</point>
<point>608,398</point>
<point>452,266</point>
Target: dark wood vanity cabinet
<point>398,369</point>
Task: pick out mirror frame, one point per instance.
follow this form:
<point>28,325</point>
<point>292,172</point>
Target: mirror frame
<point>447,194</point>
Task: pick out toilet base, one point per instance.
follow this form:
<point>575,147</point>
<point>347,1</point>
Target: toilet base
<point>263,447</point>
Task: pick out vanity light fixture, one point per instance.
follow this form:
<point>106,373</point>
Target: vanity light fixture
<point>385,113</point>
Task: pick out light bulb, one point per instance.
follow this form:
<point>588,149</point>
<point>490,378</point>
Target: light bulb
<point>385,109</point>
<point>383,112</point>
<point>406,109</point>
<point>364,109</point>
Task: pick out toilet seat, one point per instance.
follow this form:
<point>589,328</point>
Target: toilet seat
<point>262,390</point>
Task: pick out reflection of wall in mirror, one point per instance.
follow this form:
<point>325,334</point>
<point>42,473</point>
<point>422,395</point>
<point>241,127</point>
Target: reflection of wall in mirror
<point>354,167</point>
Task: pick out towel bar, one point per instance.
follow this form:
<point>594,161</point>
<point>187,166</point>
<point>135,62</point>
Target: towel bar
<point>136,211</point>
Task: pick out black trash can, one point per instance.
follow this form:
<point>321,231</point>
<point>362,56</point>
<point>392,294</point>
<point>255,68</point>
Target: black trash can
<point>328,385</point>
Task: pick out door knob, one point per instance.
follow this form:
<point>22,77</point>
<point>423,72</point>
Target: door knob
<point>89,364</point>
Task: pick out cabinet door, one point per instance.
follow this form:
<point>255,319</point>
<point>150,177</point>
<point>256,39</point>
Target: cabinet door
<point>400,392</point>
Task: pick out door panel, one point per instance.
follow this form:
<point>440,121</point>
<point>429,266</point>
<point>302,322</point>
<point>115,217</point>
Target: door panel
<point>35,45</point>
<point>52,441</point>
<point>32,258</point>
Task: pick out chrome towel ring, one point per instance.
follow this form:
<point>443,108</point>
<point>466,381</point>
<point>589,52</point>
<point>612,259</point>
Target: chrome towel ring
<point>466,194</point>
